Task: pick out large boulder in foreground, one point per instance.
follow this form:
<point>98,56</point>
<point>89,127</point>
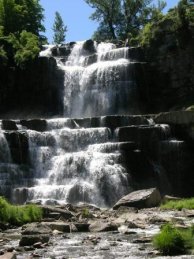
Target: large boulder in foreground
<point>140,199</point>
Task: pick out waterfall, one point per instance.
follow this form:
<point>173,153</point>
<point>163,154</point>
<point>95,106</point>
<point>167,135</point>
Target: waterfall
<point>90,155</point>
<point>70,170</point>
<point>98,83</point>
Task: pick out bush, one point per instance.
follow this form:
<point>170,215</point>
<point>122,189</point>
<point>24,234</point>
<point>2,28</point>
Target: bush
<point>169,241</point>
<point>179,204</point>
<point>19,215</point>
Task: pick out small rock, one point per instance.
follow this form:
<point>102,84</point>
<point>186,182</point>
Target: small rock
<point>99,226</point>
<point>38,245</point>
<point>29,240</point>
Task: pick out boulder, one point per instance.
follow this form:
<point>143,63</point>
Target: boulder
<point>89,46</point>
<point>140,199</point>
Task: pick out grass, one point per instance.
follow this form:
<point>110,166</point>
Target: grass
<point>179,204</point>
<point>18,215</point>
<point>174,241</point>
<point>169,241</point>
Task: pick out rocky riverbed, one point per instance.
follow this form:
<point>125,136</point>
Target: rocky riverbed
<point>89,232</point>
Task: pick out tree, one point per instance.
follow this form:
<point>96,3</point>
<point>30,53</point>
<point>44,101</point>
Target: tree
<point>19,15</point>
<point>59,29</point>
<point>107,13</point>
<point>25,46</point>
<point>123,18</point>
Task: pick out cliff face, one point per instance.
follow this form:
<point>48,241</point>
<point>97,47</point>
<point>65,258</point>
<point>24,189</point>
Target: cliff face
<point>33,91</point>
<point>169,73</point>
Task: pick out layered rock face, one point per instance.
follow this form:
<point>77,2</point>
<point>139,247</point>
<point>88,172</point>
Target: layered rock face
<point>36,90</point>
<point>95,160</point>
<point>169,77</point>
<point>103,156</point>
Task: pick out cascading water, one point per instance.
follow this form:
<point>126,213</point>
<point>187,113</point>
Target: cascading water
<point>100,83</point>
<point>70,160</point>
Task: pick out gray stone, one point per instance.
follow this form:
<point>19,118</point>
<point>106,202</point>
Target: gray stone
<point>99,226</point>
<point>59,225</point>
<point>30,240</point>
<point>140,199</point>
<point>36,229</point>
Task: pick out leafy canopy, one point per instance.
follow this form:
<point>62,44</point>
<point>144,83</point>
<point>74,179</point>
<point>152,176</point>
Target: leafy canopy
<point>120,19</point>
<point>20,30</point>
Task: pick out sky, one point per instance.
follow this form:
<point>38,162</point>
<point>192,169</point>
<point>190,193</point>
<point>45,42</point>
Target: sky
<point>75,14</point>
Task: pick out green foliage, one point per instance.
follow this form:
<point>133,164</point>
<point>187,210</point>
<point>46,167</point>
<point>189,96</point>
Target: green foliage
<point>108,14</point>
<point>18,215</point>
<point>175,24</point>
<point>26,47</point>
<point>123,18</point>
<point>20,27</point>
<point>59,29</point>
<point>86,213</point>
<point>16,16</point>
<point>179,204</point>
<point>169,241</point>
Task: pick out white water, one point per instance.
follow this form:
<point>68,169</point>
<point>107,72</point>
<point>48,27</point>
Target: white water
<point>104,86</point>
<point>69,170</point>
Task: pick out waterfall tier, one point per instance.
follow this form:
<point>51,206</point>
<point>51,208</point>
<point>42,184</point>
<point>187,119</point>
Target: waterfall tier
<point>92,160</point>
<point>99,79</point>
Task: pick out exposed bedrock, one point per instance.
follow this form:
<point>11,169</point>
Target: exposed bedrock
<point>96,160</point>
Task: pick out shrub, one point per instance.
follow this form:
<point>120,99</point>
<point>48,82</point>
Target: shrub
<point>18,215</point>
<point>179,204</point>
<point>169,241</point>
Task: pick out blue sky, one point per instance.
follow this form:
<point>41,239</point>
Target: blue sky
<point>75,14</point>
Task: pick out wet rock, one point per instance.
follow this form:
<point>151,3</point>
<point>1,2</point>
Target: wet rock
<point>114,122</point>
<point>9,125</point>
<point>100,226</point>
<point>30,240</point>
<point>176,117</point>
<point>89,46</point>
<point>82,227</point>
<point>36,229</point>
<point>140,199</point>
<point>38,245</point>
<point>35,124</point>
<point>8,256</point>
<point>18,143</point>
<point>59,225</point>
<point>63,212</point>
